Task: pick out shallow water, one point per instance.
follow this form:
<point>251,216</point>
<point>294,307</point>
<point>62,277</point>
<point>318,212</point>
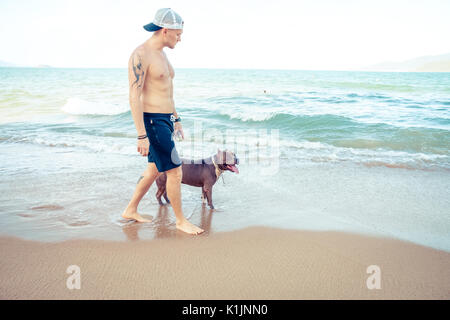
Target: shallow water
<point>351,151</point>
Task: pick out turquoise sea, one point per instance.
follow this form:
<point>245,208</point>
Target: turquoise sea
<point>365,152</point>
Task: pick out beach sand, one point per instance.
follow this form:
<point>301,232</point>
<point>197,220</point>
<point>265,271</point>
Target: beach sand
<point>252,263</point>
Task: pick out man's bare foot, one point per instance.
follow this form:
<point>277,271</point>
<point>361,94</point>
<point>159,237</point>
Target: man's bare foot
<point>134,216</point>
<point>188,227</point>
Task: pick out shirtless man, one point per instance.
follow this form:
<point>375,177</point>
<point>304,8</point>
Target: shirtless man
<point>150,77</point>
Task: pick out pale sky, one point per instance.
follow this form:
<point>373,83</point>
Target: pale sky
<point>252,34</point>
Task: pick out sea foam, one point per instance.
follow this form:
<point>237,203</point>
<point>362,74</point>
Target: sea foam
<point>82,107</point>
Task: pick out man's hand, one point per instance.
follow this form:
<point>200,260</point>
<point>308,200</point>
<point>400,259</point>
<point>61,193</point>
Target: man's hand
<point>143,146</point>
<point>177,127</point>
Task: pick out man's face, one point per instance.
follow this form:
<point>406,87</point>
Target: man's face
<point>173,36</point>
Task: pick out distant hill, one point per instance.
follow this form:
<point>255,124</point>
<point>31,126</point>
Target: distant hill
<point>11,65</point>
<point>438,63</point>
<point>435,66</point>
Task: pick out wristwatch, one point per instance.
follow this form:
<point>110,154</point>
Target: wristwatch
<point>173,119</point>
<point>177,120</point>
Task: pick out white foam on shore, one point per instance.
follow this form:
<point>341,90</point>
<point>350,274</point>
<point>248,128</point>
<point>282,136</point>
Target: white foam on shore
<point>250,148</point>
<point>79,106</point>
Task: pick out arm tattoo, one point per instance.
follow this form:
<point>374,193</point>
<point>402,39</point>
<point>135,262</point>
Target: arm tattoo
<point>138,72</point>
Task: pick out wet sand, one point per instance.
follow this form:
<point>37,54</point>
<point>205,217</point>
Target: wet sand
<point>253,263</point>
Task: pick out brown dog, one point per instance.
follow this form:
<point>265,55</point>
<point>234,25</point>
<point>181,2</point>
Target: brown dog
<point>201,173</point>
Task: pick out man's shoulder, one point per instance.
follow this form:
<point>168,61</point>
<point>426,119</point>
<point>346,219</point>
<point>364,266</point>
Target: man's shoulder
<point>139,53</point>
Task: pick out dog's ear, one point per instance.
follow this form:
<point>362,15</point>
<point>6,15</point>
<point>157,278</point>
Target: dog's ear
<point>229,157</point>
<point>219,155</point>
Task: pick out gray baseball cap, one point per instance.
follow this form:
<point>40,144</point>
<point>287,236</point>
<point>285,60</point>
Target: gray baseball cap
<point>165,18</point>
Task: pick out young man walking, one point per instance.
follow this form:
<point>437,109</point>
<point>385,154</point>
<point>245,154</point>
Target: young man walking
<point>150,77</point>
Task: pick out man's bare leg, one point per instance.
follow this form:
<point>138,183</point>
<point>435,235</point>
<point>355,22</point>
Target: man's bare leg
<point>144,183</point>
<point>173,188</point>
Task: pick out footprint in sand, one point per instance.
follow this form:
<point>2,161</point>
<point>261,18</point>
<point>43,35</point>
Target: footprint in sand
<point>26,215</point>
<point>48,207</point>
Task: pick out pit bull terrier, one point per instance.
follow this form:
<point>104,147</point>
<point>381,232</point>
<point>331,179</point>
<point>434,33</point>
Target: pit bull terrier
<point>201,173</point>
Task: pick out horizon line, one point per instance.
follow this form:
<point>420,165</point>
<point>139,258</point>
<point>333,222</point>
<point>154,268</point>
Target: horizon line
<point>257,69</point>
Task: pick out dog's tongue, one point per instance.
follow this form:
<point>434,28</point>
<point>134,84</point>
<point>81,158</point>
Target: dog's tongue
<point>233,168</point>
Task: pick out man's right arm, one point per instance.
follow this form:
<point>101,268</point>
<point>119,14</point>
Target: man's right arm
<point>137,69</point>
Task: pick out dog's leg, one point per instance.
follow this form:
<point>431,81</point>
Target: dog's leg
<point>159,193</point>
<point>161,184</point>
<point>158,197</point>
<point>165,197</point>
<point>204,198</point>
<point>208,191</point>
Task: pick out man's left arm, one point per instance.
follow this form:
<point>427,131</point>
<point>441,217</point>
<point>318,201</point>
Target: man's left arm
<point>177,125</point>
<point>175,113</point>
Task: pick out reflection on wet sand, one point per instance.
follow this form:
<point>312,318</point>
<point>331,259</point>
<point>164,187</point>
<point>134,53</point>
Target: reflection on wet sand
<point>48,207</point>
<point>206,219</point>
<point>164,227</point>
<point>131,230</point>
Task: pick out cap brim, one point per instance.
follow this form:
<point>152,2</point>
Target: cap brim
<point>152,27</point>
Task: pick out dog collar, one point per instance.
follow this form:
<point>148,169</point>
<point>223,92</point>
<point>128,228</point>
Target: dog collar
<point>218,170</point>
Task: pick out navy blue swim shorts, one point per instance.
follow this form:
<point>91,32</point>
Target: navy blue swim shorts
<point>162,150</point>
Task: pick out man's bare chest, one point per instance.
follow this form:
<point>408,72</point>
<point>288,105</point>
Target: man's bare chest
<point>161,69</point>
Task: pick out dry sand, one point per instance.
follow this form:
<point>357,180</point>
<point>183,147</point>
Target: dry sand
<point>253,263</point>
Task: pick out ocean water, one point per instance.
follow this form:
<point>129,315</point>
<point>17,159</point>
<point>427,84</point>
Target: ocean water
<point>365,152</point>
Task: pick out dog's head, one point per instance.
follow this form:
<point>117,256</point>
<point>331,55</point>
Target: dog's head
<point>226,160</point>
